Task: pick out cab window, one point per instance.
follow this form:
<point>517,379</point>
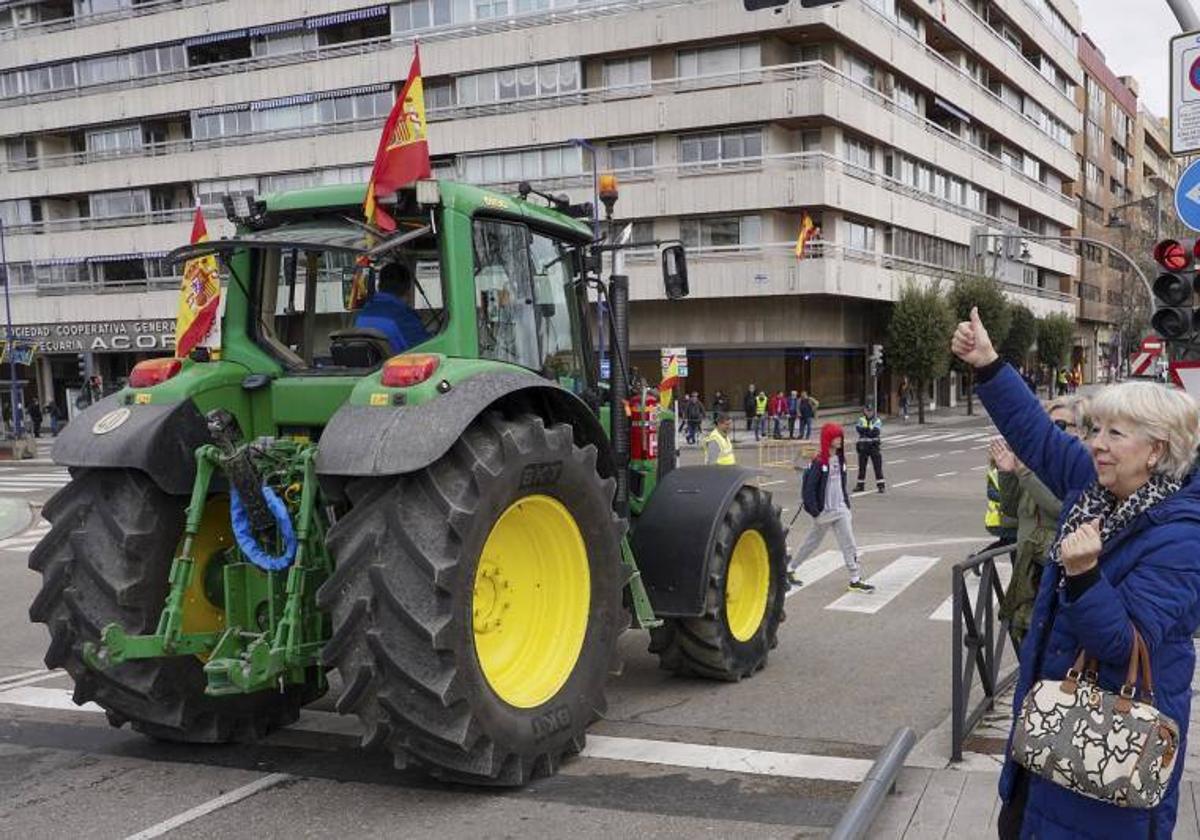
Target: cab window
<point>308,295</point>
<point>526,311</point>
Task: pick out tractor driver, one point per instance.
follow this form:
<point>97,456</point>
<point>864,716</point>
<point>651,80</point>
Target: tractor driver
<point>389,312</point>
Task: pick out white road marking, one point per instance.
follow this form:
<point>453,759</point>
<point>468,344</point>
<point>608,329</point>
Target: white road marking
<point>897,461</point>
<point>927,457</point>
<point>727,759</point>
<point>815,568</point>
<point>33,678</point>
<point>945,475</point>
<point>905,483</point>
<point>980,467</point>
<point>889,582</point>
<point>770,483</point>
<point>24,675</point>
<point>45,698</point>
<point>205,808</point>
<point>945,610</point>
<point>956,451</point>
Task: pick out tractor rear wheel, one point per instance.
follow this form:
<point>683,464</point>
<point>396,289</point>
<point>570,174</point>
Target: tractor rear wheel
<point>106,559</point>
<point>476,603</point>
<point>744,601</point>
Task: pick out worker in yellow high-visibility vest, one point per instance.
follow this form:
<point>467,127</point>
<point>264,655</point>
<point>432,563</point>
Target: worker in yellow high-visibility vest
<point>718,445</point>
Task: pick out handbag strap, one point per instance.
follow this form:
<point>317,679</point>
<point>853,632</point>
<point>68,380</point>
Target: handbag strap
<point>1138,677</point>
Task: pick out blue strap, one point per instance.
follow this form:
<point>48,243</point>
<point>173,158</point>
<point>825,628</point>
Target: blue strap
<point>245,536</point>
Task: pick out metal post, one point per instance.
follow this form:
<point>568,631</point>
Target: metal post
<point>958,700</point>
<point>13,396</point>
<point>584,144</point>
<point>1185,13</point>
<point>880,779</point>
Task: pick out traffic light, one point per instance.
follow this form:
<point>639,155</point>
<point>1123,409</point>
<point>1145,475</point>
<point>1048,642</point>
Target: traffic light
<point>1175,318</point>
<point>876,359</point>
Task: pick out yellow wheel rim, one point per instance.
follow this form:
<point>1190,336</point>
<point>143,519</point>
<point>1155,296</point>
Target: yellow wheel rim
<point>531,601</point>
<point>747,584</point>
<point>200,615</point>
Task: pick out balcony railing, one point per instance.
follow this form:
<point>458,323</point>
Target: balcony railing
<point>150,217</point>
<point>798,72</point>
<point>60,24</point>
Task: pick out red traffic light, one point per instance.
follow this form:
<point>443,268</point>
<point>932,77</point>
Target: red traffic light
<point>1173,256</point>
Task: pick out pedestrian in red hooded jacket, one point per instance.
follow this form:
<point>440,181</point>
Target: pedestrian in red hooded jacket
<point>777,409</point>
<point>824,496</point>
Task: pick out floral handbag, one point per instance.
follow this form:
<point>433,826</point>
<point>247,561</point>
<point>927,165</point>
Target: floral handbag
<point>1109,746</point>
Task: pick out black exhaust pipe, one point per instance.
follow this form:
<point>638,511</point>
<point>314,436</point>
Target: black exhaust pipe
<point>618,302</point>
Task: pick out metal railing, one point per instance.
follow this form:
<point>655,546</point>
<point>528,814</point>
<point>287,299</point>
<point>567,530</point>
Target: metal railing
<point>980,638</point>
<point>879,782</point>
<point>59,24</point>
<point>150,217</point>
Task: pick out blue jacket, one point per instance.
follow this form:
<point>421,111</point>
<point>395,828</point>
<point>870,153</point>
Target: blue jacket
<point>814,483</point>
<point>1150,576</point>
<point>394,318</point>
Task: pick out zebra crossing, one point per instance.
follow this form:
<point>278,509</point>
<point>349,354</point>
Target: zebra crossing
<point>981,437</point>
<point>25,479</point>
<point>26,540</point>
<point>890,582</point>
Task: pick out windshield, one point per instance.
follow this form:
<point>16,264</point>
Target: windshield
<point>317,292</point>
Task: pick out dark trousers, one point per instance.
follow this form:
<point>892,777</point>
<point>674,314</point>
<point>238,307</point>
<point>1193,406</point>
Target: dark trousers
<point>805,427</point>
<point>693,429</point>
<point>1012,812</point>
<point>791,425</point>
<point>876,458</point>
<point>37,427</point>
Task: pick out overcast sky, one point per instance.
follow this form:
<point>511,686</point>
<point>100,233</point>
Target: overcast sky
<point>1133,36</point>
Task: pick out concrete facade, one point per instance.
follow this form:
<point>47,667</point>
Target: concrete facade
<point>902,128</point>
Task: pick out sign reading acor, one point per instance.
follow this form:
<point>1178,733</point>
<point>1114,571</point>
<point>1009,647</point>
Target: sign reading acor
<point>147,336</point>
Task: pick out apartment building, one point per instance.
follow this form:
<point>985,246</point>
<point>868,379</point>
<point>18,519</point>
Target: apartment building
<point>904,128</point>
<point>1125,185</point>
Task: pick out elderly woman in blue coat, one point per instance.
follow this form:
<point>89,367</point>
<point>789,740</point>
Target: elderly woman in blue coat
<point>1127,555</point>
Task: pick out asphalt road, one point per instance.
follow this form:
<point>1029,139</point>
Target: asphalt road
<point>777,755</point>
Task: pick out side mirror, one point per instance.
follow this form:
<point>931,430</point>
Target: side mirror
<point>674,269</point>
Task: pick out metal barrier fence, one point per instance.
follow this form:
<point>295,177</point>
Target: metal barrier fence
<point>774,452</point>
<point>982,636</point>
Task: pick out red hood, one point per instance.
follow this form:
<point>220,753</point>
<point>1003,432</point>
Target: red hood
<point>829,433</point>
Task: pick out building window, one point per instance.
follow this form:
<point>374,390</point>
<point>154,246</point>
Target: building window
<point>631,156</point>
<point>860,236</point>
<point>114,141</point>
<point>515,83</point>
<point>711,61</point>
<point>627,74</point>
<point>720,231</point>
<point>860,153</point>
<point>119,203</point>
<point>860,71</point>
<point>523,165</point>
<point>731,147</point>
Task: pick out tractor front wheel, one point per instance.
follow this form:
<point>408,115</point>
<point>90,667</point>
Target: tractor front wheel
<point>476,603</point>
<point>744,602</point>
<point>106,560</point>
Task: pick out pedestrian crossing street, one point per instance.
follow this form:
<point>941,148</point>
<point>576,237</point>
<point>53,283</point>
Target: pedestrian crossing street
<point>890,582</point>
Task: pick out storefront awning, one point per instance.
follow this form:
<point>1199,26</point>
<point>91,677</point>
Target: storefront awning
<point>281,102</point>
<point>951,110</point>
<point>354,91</point>
<point>104,258</point>
<point>346,17</point>
<point>215,38</point>
<point>276,28</point>
<point>221,109</point>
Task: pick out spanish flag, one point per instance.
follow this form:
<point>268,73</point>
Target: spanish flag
<point>199,295</point>
<point>669,382</point>
<point>403,154</point>
<point>806,232</point>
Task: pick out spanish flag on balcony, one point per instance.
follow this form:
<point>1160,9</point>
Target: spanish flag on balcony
<point>670,381</point>
<point>199,295</point>
<point>806,232</point>
<point>403,154</point>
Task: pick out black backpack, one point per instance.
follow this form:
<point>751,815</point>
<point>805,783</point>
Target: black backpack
<point>812,488</point>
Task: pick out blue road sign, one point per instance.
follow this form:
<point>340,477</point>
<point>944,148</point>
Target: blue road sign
<point>1187,196</point>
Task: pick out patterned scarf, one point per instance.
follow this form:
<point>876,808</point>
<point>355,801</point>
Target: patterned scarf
<point>1096,502</point>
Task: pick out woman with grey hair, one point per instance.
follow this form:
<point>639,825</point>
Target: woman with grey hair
<point>1127,556</point>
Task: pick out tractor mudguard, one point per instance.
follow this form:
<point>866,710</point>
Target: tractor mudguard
<point>672,539</point>
<point>159,440</point>
<point>374,441</point>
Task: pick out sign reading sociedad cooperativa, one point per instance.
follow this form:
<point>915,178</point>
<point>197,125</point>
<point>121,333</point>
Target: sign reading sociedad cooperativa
<point>157,335</point>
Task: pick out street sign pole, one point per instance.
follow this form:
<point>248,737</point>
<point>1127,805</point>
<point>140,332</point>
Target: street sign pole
<point>1185,13</point>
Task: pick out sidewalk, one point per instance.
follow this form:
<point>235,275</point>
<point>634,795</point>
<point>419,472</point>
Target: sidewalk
<point>936,799</point>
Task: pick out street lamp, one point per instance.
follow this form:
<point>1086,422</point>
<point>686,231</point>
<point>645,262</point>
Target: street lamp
<point>13,396</point>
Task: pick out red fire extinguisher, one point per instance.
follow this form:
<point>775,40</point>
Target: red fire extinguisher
<point>643,416</point>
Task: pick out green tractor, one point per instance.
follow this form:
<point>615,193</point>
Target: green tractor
<point>453,537</point>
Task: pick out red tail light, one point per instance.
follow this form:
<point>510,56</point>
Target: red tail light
<point>403,371</point>
<point>153,371</point>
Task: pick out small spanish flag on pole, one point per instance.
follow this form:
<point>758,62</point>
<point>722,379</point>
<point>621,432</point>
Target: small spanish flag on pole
<point>669,382</point>
<point>806,232</point>
<point>199,295</point>
<point>403,153</point>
